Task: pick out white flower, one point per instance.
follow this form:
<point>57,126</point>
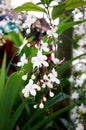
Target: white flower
<point>83,77</point>
<point>47,82</point>
<point>75,95</point>
<point>30,88</point>
<point>29,21</point>
<point>74,114</point>
<point>22,46</point>
<point>49,79</point>
<point>53,76</point>
<point>79,127</point>
<point>75,62</point>
<point>39,60</point>
<point>82,42</point>
<point>55,60</point>
<point>71,79</point>
<point>23,61</point>
<point>52,32</point>
<point>44,46</point>
<point>82,108</point>
<point>80,80</point>
<point>78,16</point>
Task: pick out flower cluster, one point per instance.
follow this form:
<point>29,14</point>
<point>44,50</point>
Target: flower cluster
<point>46,82</point>
<point>78,77</point>
<point>77,115</point>
<point>43,77</point>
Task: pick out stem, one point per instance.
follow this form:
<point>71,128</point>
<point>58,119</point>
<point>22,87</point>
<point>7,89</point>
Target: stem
<point>48,14</point>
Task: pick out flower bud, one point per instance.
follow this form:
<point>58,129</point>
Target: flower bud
<point>35,106</point>
<point>33,77</point>
<point>28,45</point>
<point>24,77</point>
<point>38,88</point>
<point>41,105</point>
<point>44,99</point>
<point>51,94</point>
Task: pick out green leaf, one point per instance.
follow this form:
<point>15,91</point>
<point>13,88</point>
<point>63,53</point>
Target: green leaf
<point>56,99</point>
<point>10,93</point>
<point>67,18</point>
<point>16,114</point>
<point>2,75</point>
<point>30,52</point>
<point>55,114</point>
<point>64,26</point>
<point>72,4</point>
<point>67,64</point>
<point>48,1</point>
<point>14,37</point>
<point>65,123</point>
<point>52,116</point>
<point>29,6</point>
<point>58,10</point>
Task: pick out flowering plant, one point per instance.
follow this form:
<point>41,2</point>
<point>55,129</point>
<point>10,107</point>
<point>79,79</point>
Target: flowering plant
<point>38,76</point>
<point>78,75</point>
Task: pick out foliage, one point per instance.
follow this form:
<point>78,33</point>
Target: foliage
<point>11,87</point>
<point>57,11</point>
<point>9,91</point>
<point>29,7</point>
